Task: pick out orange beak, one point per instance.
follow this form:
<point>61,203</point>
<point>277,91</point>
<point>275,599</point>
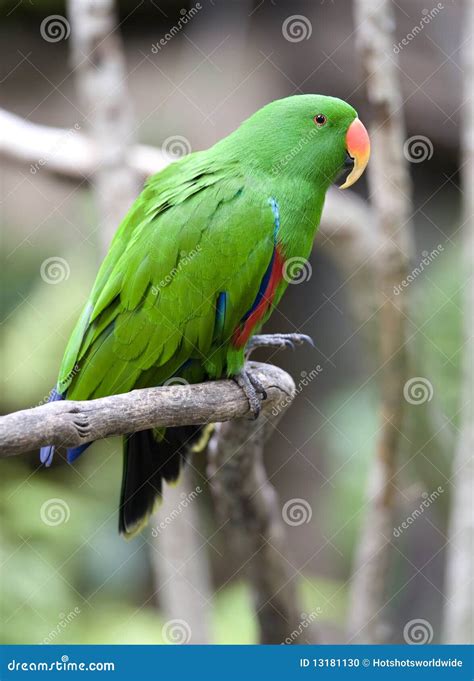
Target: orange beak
<point>358,148</point>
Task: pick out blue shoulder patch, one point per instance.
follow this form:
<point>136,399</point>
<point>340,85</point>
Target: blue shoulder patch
<point>266,277</point>
<point>221,308</point>
<point>276,216</point>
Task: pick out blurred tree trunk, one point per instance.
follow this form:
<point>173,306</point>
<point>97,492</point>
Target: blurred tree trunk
<point>179,558</point>
<point>459,615</point>
<point>248,506</point>
<point>390,193</point>
<point>99,64</point>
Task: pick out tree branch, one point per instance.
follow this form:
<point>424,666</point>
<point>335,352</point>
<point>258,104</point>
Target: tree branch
<point>70,423</point>
<point>348,235</point>
<point>67,152</point>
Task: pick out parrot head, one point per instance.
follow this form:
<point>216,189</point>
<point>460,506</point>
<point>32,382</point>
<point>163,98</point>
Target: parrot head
<point>311,136</point>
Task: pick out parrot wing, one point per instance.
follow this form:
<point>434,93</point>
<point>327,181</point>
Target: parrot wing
<point>197,236</point>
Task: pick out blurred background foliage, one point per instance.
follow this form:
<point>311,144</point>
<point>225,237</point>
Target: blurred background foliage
<point>82,563</point>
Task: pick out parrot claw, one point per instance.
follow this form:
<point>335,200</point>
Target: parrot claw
<point>253,390</point>
<point>277,340</point>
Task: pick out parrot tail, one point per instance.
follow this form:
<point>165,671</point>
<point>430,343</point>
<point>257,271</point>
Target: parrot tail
<point>149,458</point>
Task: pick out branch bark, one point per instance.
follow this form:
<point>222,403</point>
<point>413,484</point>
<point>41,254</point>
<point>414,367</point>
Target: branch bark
<point>68,152</point>
<point>390,188</point>
<point>70,423</point>
<point>459,620</point>
<point>248,506</point>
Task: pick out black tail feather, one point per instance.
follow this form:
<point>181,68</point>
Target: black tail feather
<point>146,464</point>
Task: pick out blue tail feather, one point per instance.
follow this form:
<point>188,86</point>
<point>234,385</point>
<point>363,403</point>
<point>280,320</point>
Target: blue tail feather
<point>75,452</point>
<point>46,455</point>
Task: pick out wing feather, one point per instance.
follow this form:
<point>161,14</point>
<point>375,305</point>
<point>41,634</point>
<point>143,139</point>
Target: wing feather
<point>156,293</point>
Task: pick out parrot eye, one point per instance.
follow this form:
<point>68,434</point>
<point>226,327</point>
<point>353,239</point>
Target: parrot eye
<point>320,119</point>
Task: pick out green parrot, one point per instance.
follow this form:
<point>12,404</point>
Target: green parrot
<point>196,268</point>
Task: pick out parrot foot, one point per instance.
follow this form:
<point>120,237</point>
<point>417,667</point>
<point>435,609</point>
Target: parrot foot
<point>277,340</point>
<point>253,390</point>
